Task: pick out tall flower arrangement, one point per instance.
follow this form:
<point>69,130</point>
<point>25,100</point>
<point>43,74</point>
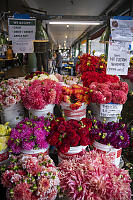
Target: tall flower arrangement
<point>10,91</point>
<point>109,92</point>
<point>31,178</point>
<point>75,96</point>
<point>40,93</point>
<point>71,133</point>
<point>29,134</point>
<point>88,62</point>
<point>92,176</point>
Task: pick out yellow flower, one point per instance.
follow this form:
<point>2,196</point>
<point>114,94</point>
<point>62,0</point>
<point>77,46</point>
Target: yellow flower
<point>3,146</point>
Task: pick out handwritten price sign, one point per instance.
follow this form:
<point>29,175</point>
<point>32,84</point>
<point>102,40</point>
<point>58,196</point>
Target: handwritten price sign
<point>110,110</point>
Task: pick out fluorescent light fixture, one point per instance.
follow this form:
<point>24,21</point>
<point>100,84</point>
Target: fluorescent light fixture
<point>76,22</point>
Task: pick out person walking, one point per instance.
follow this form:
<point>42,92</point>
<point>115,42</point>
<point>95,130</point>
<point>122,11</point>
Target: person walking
<point>58,62</point>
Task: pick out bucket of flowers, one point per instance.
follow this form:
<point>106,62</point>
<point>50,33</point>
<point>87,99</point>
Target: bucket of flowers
<point>10,100</point>
<point>106,93</point>
<point>40,97</point>
<point>74,101</point>
<point>69,137</point>
<point>31,178</point>
<point>110,138</point>
<point>4,137</point>
<point>93,176</point>
<point>29,136</point>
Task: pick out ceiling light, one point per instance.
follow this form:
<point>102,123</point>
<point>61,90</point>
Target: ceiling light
<point>66,36</point>
<point>67,25</point>
<point>77,22</point>
<point>65,41</point>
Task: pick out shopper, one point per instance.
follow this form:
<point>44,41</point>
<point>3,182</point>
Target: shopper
<point>76,59</point>
<point>58,61</point>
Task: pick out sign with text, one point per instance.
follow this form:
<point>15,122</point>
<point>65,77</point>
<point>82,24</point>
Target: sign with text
<point>118,58</point>
<point>23,47</point>
<point>110,110</point>
<point>22,34</point>
<point>121,29</point>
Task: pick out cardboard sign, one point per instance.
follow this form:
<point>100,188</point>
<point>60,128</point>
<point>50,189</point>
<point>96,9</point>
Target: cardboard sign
<point>110,110</point>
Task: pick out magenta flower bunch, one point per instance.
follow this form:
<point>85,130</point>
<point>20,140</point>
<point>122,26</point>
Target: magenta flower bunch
<point>10,91</point>
<point>40,93</point>
<point>103,93</point>
<point>92,176</point>
<point>31,178</point>
<point>30,134</point>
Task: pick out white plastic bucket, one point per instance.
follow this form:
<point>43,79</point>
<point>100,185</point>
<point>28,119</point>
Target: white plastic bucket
<point>114,154</point>
<point>72,152</point>
<point>13,114</point>
<point>95,108</point>
<point>74,114</point>
<point>43,112</point>
<point>4,155</point>
<point>37,151</point>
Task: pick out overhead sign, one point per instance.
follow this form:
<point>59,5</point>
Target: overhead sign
<point>118,58</point>
<point>121,29</point>
<point>22,34</point>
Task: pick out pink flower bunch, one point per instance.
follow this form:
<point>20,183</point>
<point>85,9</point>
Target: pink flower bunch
<point>92,176</point>
<point>10,91</point>
<point>31,178</point>
<point>40,93</point>
<point>109,92</point>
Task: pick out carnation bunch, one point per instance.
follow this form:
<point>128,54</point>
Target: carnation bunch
<point>103,93</point>
<point>40,76</point>
<point>31,178</point>
<point>10,91</point>
<point>40,93</point>
<point>88,62</point>
<point>4,135</point>
<point>75,96</point>
<point>92,176</point>
<point>30,134</point>
<point>111,133</point>
<point>91,76</point>
<point>71,133</point>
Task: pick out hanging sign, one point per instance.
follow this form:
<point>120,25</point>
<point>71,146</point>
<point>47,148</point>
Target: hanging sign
<point>118,58</point>
<point>22,34</point>
<point>110,110</point>
<point>121,29</point>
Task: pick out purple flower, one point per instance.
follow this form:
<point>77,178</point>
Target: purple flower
<point>28,145</point>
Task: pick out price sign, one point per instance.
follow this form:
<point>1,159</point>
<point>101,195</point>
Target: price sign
<point>118,58</point>
<point>110,110</point>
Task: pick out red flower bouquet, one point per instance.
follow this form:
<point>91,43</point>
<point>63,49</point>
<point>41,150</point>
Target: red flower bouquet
<point>75,96</point>
<point>31,178</point>
<point>71,133</point>
<point>91,63</point>
<point>103,93</point>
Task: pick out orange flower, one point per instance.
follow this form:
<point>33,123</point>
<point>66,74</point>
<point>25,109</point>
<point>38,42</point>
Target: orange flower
<point>76,105</point>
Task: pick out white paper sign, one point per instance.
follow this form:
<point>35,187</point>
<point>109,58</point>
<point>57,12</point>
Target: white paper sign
<point>121,29</point>
<point>110,110</point>
<point>118,58</point>
<point>23,47</point>
<point>21,29</point>
<point>22,34</point>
